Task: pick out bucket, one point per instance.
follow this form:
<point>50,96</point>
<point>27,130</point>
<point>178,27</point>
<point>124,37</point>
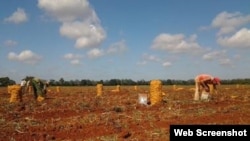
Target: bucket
<point>205,95</point>
<point>143,99</point>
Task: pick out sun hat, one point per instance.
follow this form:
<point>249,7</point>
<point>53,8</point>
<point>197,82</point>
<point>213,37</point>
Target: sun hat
<point>217,80</point>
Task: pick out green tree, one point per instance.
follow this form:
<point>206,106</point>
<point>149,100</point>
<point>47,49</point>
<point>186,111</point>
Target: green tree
<point>5,81</point>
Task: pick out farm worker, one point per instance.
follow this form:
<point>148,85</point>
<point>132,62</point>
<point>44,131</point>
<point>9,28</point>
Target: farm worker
<point>39,87</point>
<point>23,86</point>
<point>202,81</point>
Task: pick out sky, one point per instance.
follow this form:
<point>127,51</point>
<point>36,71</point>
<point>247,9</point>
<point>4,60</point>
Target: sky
<point>124,39</point>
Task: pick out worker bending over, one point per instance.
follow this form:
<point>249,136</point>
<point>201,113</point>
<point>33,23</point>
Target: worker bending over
<point>202,82</point>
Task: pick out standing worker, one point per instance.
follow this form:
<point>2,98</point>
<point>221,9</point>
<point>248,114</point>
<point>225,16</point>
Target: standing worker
<point>39,87</point>
<point>202,82</point>
<point>23,86</point>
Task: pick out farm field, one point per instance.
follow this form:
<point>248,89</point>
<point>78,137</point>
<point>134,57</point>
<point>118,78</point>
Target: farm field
<point>77,114</point>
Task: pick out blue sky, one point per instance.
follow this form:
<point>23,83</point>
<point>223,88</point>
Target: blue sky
<point>124,39</point>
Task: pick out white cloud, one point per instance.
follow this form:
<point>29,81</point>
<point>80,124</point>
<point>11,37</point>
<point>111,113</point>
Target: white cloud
<point>177,43</point>
<point>68,56</point>
<point>240,39</point>
<point>25,56</point>
<point>93,38</point>
<point>220,57</point>
<point>75,62</point>
<point>10,43</point>
<point>66,10</point>
<point>79,21</point>
<point>214,55</point>
<point>17,17</point>
<point>72,56</point>
<point>229,22</point>
<point>226,62</point>
<point>118,47</point>
<point>149,57</point>
<point>95,53</point>
<point>74,30</point>
<point>166,64</point>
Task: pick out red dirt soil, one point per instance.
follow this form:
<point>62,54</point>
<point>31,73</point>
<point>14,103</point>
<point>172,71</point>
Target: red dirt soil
<point>76,114</point>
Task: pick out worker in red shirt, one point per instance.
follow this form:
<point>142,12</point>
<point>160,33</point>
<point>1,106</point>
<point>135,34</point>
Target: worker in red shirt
<point>202,82</point>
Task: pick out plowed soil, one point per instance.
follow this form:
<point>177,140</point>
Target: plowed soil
<point>77,114</point>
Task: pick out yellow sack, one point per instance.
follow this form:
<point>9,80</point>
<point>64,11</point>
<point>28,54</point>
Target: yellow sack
<point>155,91</point>
<point>16,93</point>
<point>40,98</point>
<point>99,88</point>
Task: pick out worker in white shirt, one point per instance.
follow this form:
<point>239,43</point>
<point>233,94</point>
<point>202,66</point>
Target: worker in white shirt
<point>23,86</point>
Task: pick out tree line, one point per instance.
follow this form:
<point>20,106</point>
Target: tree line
<point>5,81</point>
